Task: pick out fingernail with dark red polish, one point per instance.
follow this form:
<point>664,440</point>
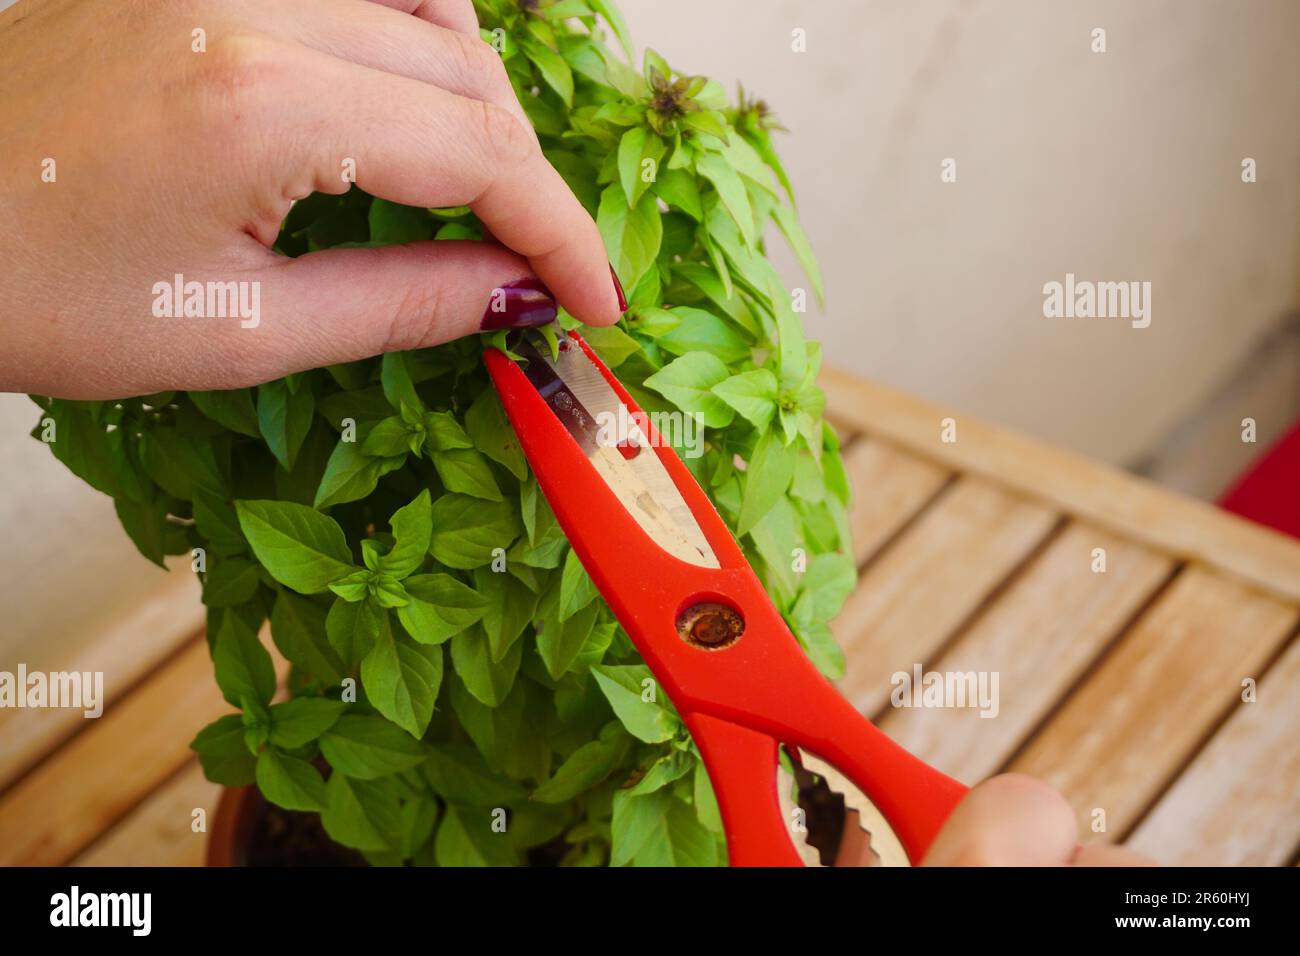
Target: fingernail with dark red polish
<point>522,304</point>
<point>618,287</point>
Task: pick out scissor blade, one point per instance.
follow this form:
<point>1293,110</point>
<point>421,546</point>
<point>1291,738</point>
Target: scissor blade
<point>883,840</point>
<point>610,436</point>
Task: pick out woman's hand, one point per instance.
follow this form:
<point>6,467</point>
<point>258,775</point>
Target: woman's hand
<point>1014,820</point>
<point>1011,820</point>
<point>129,158</point>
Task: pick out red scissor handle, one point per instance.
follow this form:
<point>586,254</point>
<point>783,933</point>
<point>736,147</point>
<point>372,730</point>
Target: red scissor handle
<point>740,701</point>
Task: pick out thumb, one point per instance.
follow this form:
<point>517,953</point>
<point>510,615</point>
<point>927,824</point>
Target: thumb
<point>339,305</point>
<point>1011,820</point>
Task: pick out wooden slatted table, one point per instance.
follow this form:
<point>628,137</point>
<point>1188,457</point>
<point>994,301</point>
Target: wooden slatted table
<point>1122,687</point>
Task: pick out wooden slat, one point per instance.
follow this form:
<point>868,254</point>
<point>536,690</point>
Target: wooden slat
<point>927,582</point>
<point>159,831</point>
<point>1072,484</point>
<point>889,487</point>
<point>124,652</point>
<point>92,781</point>
<point>1238,804</point>
<point>1038,637</point>
<point>1139,717</point>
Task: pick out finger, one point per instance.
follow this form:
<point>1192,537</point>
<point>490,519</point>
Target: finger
<point>1011,820</point>
<point>422,146</point>
<point>1103,855</point>
<point>339,305</point>
<point>361,302</point>
<point>382,38</point>
<point>453,14</point>
<point>855,843</point>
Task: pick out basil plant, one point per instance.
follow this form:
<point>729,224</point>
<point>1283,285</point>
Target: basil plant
<point>459,694</point>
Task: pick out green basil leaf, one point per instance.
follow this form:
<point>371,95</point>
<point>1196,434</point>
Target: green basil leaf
<point>289,782</point>
<point>391,224</point>
<point>709,123</point>
<point>230,581</point>
<point>706,802</point>
<point>221,750</point>
<point>351,627</point>
<point>284,418</point>
<point>587,766</point>
<point>412,527</point>
<point>788,223</point>
<point>700,331</point>
<point>440,607</point>
<point>667,769</point>
<point>402,678</point>
<point>181,465</point>
<point>295,723</point>
<point>818,640</point>
<point>611,15</point>
<point>560,642</point>
<point>298,628</point>
<point>508,609</point>
<point>553,67</point>
<point>445,433</point>
<point>466,838</point>
<point>233,409</point>
<point>732,193</point>
<point>466,471</point>
<point>146,525</point>
<point>827,584</point>
<point>368,747</point>
<point>637,148</point>
<point>215,517</point>
<point>752,394</point>
<point>399,387</point>
<point>350,474</point>
<point>576,587</point>
<point>300,547</point>
<point>360,814</point>
<point>632,234</point>
<point>678,188</point>
<point>771,468</point>
<point>488,680</point>
<point>776,537</point>
<point>611,343</point>
<point>243,667</point>
<point>688,383</point>
<point>459,774</point>
<point>389,438</point>
<point>99,457</point>
<point>490,430</point>
<point>657,830</point>
<point>466,530</point>
<point>628,694</point>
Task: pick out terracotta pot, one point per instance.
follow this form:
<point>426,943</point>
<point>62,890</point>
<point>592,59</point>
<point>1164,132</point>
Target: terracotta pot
<point>233,826</point>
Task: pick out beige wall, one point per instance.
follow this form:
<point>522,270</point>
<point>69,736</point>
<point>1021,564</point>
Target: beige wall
<point>1116,166</point>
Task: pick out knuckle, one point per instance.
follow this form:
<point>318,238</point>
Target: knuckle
<point>239,71</point>
<point>506,140</point>
<point>478,62</point>
<point>419,319</point>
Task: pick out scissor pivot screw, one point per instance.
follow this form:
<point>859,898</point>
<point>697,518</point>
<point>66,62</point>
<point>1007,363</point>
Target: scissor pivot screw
<point>710,626</point>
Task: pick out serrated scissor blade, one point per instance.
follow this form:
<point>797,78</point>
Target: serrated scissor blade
<point>884,841</point>
<point>611,437</point>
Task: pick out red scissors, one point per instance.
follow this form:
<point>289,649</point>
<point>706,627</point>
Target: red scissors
<point>677,581</point>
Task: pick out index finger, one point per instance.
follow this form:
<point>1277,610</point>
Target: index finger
<point>534,212</point>
<point>455,15</point>
<point>428,147</point>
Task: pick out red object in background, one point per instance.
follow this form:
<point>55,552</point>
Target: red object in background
<point>1269,492</point>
